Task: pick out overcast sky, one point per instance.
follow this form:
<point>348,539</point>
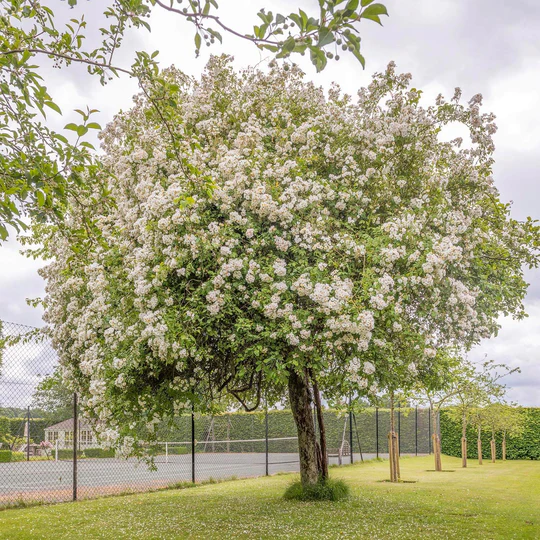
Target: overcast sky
<point>486,46</point>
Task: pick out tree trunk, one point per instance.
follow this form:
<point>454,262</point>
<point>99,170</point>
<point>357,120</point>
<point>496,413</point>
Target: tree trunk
<point>323,458</point>
<point>504,446</point>
<point>464,442</point>
<point>396,451</point>
<point>300,401</point>
<point>436,441</point>
<point>493,448</point>
<point>479,443</point>
<point>393,445</point>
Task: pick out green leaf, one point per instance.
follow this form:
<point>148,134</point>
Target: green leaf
<point>93,125</point>
<point>373,11</point>
<point>352,4</point>
<point>365,3</point>
<point>289,44</point>
<point>82,130</point>
<point>72,127</point>
<point>360,58</point>
<point>216,34</point>
<point>304,18</point>
<point>296,18</point>
<point>272,48</point>
<point>198,41</point>
<point>40,198</point>
<point>53,106</point>
<point>263,16</point>
<point>318,58</point>
<point>262,30</point>
<point>61,138</point>
<point>326,37</point>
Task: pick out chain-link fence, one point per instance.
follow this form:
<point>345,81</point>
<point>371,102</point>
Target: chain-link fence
<point>49,453</point>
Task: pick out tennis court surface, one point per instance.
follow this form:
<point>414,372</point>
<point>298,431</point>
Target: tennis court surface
<point>53,480</point>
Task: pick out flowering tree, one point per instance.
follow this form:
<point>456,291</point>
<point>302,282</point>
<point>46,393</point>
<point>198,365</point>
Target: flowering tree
<point>286,235</point>
<point>46,446</point>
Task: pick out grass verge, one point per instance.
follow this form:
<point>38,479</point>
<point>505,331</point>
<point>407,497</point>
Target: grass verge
<point>493,502</point>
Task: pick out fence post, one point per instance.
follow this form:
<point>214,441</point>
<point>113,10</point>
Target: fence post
<point>166,452</point>
<point>75,436</point>
<point>56,450</point>
<point>416,431</point>
<point>358,439</point>
<point>192,444</point>
<point>377,430</point>
<point>429,428</point>
<point>351,434</point>
<point>266,437</point>
<point>28,435</point>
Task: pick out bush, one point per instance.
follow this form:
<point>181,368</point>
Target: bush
<point>327,490</point>
<point>5,456</point>
<point>86,453</point>
<point>178,450</point>
<point>67,453</point>
<point>18,456</point>
<point>99,453</point>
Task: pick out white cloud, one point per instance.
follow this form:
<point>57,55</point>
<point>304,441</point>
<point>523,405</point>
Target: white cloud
<point>518,345</point>
<point>514,98</point>
<point>18,281</point>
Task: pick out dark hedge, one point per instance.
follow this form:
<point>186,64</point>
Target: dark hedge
<point>240,426</point>
<point>525,446</point>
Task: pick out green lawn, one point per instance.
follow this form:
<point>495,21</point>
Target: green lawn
<point>499,500</point>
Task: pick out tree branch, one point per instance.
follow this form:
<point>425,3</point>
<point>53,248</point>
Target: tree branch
<point>217,20</point>
<point>69,58</point>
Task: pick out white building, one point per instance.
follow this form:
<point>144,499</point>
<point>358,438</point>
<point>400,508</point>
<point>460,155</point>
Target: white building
<point>63,433</point>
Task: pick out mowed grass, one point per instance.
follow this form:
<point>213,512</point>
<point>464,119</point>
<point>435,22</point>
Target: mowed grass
<point>492,501</point>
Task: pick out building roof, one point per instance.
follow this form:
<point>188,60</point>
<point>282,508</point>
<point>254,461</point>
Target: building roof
<point>67,425</point>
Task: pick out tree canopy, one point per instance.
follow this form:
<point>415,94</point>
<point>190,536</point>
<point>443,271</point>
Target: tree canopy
<point>278,237</point>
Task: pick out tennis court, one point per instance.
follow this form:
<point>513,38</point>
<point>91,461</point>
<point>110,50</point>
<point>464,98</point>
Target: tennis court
<point>26,481</point>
